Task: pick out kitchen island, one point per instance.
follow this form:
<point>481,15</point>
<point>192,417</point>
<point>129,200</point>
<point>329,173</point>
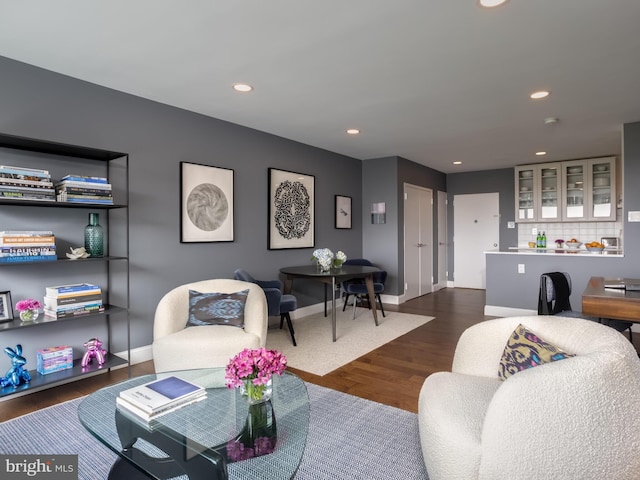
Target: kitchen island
<point>513,276</point>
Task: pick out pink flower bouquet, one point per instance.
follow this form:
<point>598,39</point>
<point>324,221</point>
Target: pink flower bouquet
<point>253,370</point>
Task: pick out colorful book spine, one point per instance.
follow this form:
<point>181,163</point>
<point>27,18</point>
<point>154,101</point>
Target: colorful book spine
<point>84,178</point>
<point>54,302</point>
<point>4,180</point>
<point>32,250</point>
<point>69,183</point>
<point>72,313</point>
<point>29,258</point>
<point>17,241</point>
<point>24,170</point>
<point>83,191</point>
<point>61,290</point>
<point>106,201</point>
<point>27,197</point>
<point>74,307</point>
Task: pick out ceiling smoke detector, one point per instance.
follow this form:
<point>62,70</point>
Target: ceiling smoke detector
<point>550,120</point>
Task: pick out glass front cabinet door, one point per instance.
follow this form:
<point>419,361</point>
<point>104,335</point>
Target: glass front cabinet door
<point>574,177</point>
<point>526,180</point>
<point>549,205</point>
<point>602,198</point>
<point>538,192</point>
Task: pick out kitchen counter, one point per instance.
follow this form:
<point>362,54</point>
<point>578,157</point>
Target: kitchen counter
<point>577,252</point>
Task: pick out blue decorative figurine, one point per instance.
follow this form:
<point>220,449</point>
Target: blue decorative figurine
<point>16,374</point>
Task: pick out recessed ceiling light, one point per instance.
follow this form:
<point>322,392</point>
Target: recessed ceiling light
<point>457,162</point>
<point>353,131</point>
<point>242,87</point>
<point>491,3</point>
<point>539,94</point>
<point>541,153</point>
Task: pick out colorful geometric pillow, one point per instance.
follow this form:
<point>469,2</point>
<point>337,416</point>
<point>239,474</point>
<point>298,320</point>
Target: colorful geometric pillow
<point>216,308</point>
<point>526,350</point>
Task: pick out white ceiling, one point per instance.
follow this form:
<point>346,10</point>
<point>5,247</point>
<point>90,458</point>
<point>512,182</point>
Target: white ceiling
<point>433,81</point>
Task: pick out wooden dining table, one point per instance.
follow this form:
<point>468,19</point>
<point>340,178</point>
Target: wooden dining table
<point>333,277</point>
<point>614,303</point>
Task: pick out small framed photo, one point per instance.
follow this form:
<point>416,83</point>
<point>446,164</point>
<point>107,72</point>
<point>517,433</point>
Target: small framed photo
<point>343,211</point>
<point>291,210</point>
<point>6,307</point>
<point>206,210</point>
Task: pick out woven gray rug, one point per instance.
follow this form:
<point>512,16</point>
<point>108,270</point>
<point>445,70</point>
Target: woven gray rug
<point>349,438</point>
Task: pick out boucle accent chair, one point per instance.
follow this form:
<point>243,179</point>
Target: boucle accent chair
<point>574,419</point>
<point>178,347</point>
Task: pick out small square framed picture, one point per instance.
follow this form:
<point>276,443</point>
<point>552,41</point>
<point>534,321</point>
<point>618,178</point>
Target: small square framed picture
<point>343,211</point>
<point>6,307</point>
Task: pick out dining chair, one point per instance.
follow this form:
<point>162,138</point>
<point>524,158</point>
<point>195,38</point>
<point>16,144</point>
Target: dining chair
<point>553,299</point>
<point>279,303</point>
<point>358,288</point>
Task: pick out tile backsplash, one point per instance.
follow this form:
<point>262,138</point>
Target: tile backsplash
<point>583,231</point>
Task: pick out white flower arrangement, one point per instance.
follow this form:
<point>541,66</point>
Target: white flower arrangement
<point>326,259</point>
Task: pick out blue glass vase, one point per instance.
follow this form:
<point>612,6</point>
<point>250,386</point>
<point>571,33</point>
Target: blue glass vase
<point>94,236</point>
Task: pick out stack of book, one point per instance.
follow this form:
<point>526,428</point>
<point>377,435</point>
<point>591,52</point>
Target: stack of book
<point>83,189</point>
<point>18,246</point>
<point>20,183</point>
<point>159,397</point>
<point>64,301</point>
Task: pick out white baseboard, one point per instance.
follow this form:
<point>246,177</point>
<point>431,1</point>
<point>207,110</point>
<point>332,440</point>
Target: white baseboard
<point>498,311</point>
<point>138,354</point>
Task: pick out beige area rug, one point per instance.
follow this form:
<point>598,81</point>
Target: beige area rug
<point>317,354</point>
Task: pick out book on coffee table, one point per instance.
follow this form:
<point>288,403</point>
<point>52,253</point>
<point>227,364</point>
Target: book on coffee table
<point>132,411</point>
<point>159,395</point>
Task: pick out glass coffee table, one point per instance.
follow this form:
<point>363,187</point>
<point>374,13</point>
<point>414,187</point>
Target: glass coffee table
<point>192,442</point>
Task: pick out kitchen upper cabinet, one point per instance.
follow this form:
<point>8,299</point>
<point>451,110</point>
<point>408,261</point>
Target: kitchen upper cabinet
<point>576,190</point>
<point>538,190</point>
<point>589,189</point>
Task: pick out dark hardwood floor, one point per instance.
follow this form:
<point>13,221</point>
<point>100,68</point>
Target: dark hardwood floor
<point>392,374</point>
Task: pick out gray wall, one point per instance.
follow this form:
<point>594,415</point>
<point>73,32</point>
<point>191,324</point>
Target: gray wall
<point>42,104</point>
<point>507,288</point>
<point>487,181</point>
<point>383,181</point>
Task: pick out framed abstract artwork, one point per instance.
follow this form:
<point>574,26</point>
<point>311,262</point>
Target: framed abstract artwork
<point>291,210</point>
<point>343,211</point>
<point>6,307</point>
<point>206,210</point>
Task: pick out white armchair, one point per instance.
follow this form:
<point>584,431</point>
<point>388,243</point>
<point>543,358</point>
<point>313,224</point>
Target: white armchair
<point>176,347</point>
<point>573,419</point>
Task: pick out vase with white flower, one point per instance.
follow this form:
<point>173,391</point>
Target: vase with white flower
<point>325,259</point>
<point>29,309</point>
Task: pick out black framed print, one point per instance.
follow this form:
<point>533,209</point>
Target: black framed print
<point>206,210</point>
<point>6,307</point>
<point>343,211</point>
<point>291,210</point>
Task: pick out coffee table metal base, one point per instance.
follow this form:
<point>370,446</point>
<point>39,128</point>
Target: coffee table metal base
<point>197,462</point>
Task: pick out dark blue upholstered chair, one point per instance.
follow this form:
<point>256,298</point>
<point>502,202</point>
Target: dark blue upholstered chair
<point>277,302</point>
<point>358,288</point>
<point>554,300</point>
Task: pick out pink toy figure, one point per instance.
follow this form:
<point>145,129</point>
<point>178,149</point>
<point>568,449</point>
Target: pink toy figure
<point>94,350</point>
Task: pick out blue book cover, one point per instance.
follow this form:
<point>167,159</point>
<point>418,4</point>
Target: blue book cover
<point>83,178</point>
<point>173,387</point>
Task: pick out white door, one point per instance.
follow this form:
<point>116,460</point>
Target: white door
<point>418,241</point>
<point>442,241</point>
<point>476,229</point>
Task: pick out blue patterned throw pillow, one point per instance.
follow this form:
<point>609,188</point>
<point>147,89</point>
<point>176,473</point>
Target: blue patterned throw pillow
<point>216,308</point>
<point>526,350</point>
